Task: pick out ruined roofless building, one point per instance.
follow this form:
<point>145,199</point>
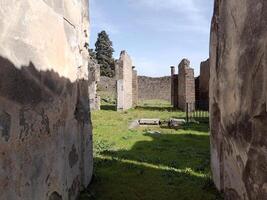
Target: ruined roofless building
<point>45,124</point>
<point>183,86</point>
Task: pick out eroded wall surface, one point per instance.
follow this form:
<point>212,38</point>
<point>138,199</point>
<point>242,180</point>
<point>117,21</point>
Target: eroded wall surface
<point>238,88</point>
<point>93,80</point>
<point>124,77</point>
<point>45,125</point>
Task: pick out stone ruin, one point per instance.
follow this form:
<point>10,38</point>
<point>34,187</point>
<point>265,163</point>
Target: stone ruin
<point>183,86</point>
<point>238,95</point>
<point>154,88</point>
<point>93,79</point>
<point>135,87</point>
<point>202,86</point>
<point>124,77</point>
<point>45,124</point>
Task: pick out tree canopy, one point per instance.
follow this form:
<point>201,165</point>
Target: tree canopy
<point>104,54</point>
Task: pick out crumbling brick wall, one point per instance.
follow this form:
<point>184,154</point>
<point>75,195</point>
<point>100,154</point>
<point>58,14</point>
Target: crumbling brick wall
<point>45,125</point>
<point>124,77</point>
<point>186,86</point>
<point>238,62</point>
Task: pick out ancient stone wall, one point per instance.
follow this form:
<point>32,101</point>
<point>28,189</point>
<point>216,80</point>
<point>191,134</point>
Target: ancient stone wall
<point>45,125</point>
<point>204,84</point>
<point>238,91</point>
<point>135,88</point>
<point>93,80</point>
<point>186,86</point>
<point>154,88</point>
<point>107,87</point>
<point>124,77</point>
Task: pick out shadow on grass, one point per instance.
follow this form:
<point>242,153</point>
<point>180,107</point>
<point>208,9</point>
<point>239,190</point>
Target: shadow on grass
<point>156,108</point>
<point>166,166</point>
<point>109,107</point>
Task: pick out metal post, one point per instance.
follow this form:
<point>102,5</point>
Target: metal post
<point>187,118</point>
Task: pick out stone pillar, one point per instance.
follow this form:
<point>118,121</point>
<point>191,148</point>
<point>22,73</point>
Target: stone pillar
<point>135,87</point>
<point>186,86</point>
<point>238,98</point>
<point>45,122</point>
<point>124,77</point>
<point>172,85</point>
<point>204,85</point>
<point>94,78</point>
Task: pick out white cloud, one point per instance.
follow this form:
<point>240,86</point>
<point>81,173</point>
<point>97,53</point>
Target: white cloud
<point>186,14</point>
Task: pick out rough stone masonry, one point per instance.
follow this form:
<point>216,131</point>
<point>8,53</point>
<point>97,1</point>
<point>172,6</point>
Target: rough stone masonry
<point>124,77</point>
<point>93,80</point>
<point>45,125</point>
<point>238,95</point>
<point>183,86</point>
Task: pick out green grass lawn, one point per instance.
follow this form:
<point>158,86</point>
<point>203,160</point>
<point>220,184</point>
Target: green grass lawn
<point>136,165</point>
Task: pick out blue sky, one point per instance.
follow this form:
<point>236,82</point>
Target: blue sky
<point>156,33</point>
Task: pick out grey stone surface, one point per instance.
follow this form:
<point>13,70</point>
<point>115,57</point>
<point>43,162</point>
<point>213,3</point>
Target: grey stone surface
<point>45,125</point>
<point>238,61</point>
<point>149,121</point>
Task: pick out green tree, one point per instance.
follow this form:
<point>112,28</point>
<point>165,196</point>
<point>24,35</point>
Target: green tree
<point>104,54</point>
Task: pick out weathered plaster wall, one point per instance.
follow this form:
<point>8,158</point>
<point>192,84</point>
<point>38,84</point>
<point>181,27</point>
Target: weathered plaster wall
<point>45,125</point>
<point>154,88</point>
<point>238,61</point>
<point>124,77</point>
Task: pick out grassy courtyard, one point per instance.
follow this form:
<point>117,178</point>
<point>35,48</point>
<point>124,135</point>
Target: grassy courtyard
<point>149,163</point>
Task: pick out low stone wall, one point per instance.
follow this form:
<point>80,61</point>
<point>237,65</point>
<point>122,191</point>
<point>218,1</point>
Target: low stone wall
<point>154,88</point>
